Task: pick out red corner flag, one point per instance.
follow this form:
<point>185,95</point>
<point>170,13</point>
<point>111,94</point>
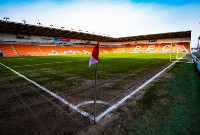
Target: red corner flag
<point>94,58</point>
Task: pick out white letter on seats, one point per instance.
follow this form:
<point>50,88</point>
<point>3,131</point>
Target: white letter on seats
<point>137,48</point>
<point>150,48</point>
<point>164,48</point>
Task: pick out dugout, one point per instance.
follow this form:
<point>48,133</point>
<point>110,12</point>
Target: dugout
<point>1,53</point>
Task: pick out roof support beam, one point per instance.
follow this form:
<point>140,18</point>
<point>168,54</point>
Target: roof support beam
<point>4,28</point>
<point>170,35</point>
<point>35,30</point>
<point>47,31</point>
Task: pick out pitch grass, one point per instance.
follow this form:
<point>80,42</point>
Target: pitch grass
<point>169,107</point>
<point>65,68</point>
<point>62,73</point>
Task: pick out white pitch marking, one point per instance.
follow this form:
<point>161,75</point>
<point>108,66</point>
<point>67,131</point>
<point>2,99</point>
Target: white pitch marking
<point>132,93</point>
<point>90,102</point>
<point>177,61</point>
<point>190,62</point>
<point>51,93</point>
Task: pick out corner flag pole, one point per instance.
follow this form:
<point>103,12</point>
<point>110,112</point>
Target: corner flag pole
<point>95,89</point>
<point>94,59</point>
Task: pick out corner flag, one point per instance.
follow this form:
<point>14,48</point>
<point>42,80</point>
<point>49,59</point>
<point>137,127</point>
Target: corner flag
<point>94,58</point>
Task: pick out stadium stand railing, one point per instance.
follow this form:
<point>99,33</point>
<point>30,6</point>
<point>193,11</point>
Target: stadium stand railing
<point>26,40</point>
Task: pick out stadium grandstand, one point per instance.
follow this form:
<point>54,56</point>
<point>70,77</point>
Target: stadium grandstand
<point>21,39</point>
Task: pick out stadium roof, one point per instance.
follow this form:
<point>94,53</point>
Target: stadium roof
<point>28,29</point>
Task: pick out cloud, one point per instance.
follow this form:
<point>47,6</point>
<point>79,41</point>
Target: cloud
<point>116,18</point>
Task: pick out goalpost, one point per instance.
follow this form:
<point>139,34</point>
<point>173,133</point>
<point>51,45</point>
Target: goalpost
<point>179,54</point>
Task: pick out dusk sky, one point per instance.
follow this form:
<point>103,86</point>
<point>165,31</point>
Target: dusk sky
<point>117,18</point>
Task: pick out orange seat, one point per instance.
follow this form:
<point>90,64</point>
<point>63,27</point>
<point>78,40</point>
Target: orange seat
<point>7,50</point>
<point>50,49</point>
<point>24,49</point>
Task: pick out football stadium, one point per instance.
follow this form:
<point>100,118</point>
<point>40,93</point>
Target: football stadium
<point>65,81</point>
